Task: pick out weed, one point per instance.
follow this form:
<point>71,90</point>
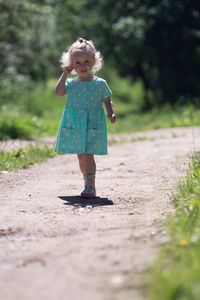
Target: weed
<point>176,273</point>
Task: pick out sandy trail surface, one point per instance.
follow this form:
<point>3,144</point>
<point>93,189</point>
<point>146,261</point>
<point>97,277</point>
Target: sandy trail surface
<point>53,245</point>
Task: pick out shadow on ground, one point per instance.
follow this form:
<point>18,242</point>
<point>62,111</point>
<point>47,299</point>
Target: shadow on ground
<point>78,201</point>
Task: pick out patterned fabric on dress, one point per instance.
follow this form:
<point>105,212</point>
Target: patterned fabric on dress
<point>83,124</point>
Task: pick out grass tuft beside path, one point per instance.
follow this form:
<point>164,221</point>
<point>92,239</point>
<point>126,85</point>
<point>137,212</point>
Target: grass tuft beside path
<point>176,273</point>
<point>24,157</point>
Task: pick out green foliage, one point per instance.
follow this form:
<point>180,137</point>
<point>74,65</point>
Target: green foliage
<point>37,113</point>
<point>14,124</point>
<point>176,273</point>
<point>171,49</point>
<point>24,157</point>
<point>27,49</point>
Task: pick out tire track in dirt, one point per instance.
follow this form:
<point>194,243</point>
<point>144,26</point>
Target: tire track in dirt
<point>55,246</point>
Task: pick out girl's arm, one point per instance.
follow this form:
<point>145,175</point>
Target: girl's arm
<point>60,87</point>
<point>110,109</point>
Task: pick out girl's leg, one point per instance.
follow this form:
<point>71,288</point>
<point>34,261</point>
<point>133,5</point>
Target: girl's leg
<point>87,164</point>
<point>90,165</point>
<point>81,160</point>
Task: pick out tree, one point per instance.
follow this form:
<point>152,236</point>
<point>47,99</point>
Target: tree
<point>152,40</point>
<point>27,45</point>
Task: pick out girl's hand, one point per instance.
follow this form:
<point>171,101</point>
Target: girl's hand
<point>112,118</point>
<point>68,70</point>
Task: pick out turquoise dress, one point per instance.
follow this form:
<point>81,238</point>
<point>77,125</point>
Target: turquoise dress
<point>83,124</point>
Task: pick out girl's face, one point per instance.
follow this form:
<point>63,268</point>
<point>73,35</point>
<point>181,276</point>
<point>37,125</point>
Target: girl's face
<point>82,63</point>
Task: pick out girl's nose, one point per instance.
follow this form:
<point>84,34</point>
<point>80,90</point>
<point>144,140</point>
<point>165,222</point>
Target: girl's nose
<point>83,64</point>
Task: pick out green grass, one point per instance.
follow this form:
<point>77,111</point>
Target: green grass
<point>157,118</point>
<point>176,273</point>
<point>38,112</point>
<point>24,157</point>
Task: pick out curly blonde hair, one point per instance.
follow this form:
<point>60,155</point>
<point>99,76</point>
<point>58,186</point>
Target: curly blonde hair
<point>82,45</point>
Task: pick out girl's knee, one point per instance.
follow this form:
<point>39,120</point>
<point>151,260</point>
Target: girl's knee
<point>85,156</point>
<point>89,157</point>
<point>80,157</point>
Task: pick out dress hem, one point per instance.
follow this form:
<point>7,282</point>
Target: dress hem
<point>68,152</point>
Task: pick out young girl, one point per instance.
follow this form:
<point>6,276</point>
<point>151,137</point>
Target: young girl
<point>83,125</point>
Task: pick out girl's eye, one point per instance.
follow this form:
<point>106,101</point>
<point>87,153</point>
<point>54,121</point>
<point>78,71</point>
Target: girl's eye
<point>78,63</point>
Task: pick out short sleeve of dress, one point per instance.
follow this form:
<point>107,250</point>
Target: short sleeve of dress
<point>68,84</point>
<point>106,90</point>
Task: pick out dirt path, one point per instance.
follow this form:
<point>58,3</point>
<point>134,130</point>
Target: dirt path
<point>53,246</point>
